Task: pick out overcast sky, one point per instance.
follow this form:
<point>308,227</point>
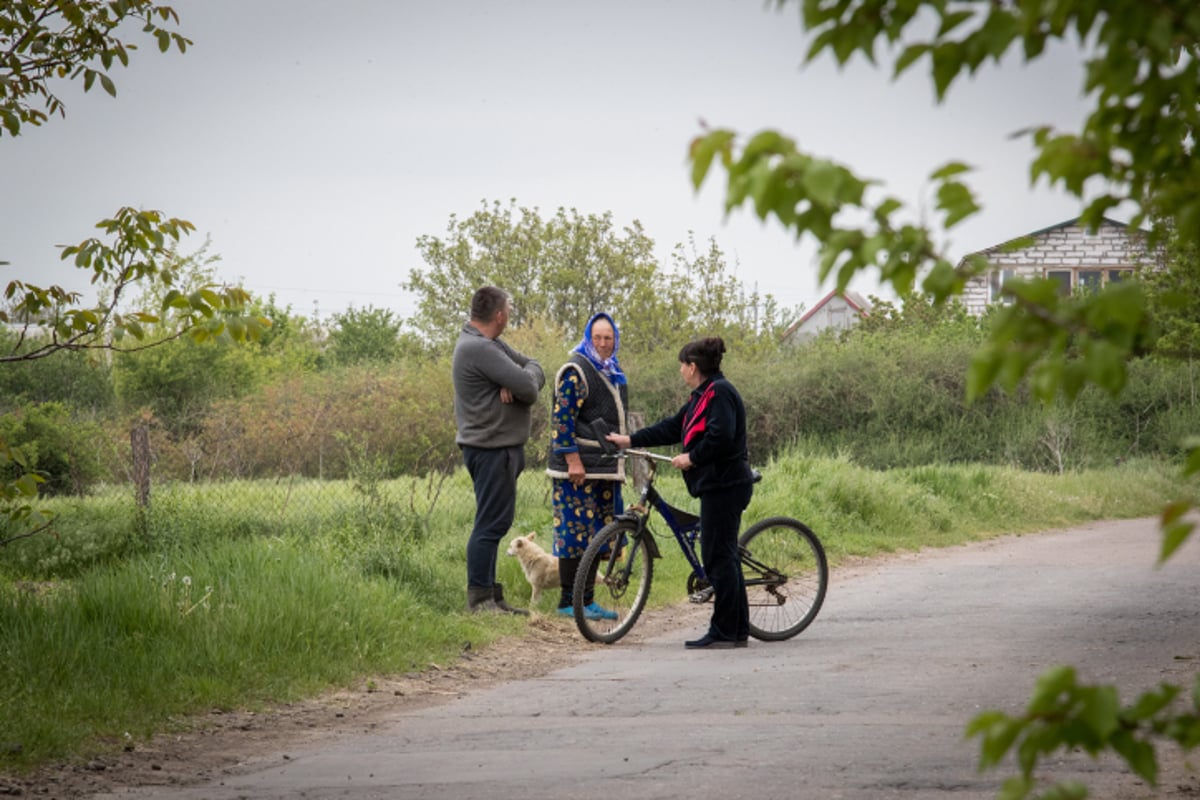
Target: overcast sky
<point>314,141</point>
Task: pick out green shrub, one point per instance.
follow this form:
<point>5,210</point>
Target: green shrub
<point>58,446</point>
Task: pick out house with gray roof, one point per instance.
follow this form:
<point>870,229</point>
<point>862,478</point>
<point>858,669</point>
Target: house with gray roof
<point>1068,252</point>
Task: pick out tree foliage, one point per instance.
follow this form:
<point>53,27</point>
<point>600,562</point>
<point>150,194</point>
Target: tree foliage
<point>43,41</point>
<point>367,335</point>
<point>562,270</point>
<point>1174,294</point>
<point>82,381</point>
<point>1135,149</point>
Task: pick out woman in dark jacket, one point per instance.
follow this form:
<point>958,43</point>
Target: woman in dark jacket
<point>716,467</point>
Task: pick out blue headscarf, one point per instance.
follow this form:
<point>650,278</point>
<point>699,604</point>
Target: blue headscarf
<point>610,367</point>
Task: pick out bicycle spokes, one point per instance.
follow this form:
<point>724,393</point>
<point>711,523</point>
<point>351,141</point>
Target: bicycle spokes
<point>784,567</point>
<point>613,582</point>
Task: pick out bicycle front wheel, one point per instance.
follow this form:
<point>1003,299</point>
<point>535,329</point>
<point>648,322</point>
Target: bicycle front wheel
<point>613,582</point>
<point>786,576</point>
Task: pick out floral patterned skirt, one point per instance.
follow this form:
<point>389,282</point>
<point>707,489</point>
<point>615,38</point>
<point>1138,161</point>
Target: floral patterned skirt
<point>580,511</point>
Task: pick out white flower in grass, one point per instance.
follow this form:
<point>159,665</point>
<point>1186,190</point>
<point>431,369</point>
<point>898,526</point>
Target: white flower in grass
<point>187,580</point>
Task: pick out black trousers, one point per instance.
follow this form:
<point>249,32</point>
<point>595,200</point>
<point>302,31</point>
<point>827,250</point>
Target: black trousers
<point>720,521</point>
<point>494,473</point>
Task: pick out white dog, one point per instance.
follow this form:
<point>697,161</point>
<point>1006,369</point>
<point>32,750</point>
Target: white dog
<point>540,568</point>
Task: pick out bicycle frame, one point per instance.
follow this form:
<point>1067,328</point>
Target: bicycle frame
<point>684,525</point>
<point>782,562</point>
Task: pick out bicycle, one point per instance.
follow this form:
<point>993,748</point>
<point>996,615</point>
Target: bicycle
<point>783,563</point>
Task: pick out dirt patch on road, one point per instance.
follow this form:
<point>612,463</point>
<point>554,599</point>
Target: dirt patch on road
<point>217,743</point>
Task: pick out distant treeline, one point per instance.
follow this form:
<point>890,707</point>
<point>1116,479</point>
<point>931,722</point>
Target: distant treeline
<point>890,394</point>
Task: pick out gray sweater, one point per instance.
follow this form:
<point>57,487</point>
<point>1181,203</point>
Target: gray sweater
<point>483,366</point>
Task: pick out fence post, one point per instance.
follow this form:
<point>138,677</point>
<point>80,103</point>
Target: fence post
<point>139,438</point>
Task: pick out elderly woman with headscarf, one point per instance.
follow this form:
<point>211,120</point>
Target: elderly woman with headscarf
<point>590,398</point>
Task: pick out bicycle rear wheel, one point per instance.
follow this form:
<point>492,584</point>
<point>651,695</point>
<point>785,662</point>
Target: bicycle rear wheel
<point>786,576</point>
<point>620,571</point>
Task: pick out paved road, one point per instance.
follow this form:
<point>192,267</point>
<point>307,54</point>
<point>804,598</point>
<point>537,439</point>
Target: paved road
<point>868,703</point>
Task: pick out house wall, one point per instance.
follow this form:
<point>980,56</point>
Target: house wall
<point>836,313</point>
<point>1061,247</point>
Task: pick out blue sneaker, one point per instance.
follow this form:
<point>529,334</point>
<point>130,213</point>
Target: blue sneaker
<point>566,611</point>
<point>595,611</point>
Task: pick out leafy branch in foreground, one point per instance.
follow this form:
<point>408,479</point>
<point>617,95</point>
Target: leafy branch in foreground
<point>141,253</point>
<point>1064,714</point>
<point>46,40</point>
<point>17,495</point>
<point>1135,148</point>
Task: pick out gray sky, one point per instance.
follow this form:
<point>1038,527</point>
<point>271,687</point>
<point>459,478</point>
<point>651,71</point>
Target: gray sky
<point>313,142</point>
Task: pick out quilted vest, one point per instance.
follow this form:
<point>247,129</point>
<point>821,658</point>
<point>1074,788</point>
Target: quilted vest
<point>603,411</point>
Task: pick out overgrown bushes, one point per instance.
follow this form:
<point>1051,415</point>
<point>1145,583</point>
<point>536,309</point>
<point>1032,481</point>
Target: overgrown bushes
<point>888,395</point>
<point>60,446</point>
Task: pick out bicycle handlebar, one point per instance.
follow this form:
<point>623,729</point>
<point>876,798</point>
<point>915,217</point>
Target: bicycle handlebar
<point>629,451</point>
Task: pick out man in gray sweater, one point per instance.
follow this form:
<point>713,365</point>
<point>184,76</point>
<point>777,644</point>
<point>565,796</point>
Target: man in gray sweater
<point>494,389</point>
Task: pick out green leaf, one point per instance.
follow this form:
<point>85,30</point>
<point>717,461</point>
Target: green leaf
<point>1139,755</point>
<point>952,20</point>
<point>1174,535</point>
<point>823,181</point>
<point>1193,459</point>
<point>1067,790</point>
<point>1101,710</point>
<point>947,63</point>
<point>909,57</point>
<point>949,170</point>
<point>983,372</point>
<point>1016,788</point>
<point>957,201</point>
<point>1051,685</point>
<point>1150,703</point>
<point>703,150</point>
<point>27,484</point>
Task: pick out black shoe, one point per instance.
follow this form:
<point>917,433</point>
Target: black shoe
<point>741,643</point>
<point>707,641</point>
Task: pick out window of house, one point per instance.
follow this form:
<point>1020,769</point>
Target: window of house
<point>1086,278</point>
<point>996,280</point>
<point>1063,276</point>
<point>1089,279</point>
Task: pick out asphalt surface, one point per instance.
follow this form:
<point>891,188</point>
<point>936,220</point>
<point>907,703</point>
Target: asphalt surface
<point>870,702</point>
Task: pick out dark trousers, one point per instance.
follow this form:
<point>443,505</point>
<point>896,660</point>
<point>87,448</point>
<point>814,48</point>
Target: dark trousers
<point>494,473</point>
<point>720,519</point>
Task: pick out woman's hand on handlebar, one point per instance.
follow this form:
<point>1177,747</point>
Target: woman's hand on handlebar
<point>683,461</point>
<point>619,439</point>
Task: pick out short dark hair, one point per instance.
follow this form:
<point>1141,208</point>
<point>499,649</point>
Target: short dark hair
<point>486,302</point>
<point>704,353</point>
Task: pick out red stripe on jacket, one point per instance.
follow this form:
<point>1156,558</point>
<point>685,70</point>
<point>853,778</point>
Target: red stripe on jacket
<point>697,422</point>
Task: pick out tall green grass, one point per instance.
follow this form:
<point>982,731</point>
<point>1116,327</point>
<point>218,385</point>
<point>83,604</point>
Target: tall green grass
<point>125,648</point>
<point>229,596</point>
